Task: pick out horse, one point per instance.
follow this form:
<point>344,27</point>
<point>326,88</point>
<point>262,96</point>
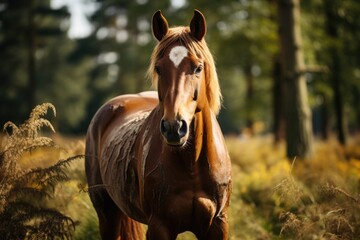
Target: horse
<point>159,158</point>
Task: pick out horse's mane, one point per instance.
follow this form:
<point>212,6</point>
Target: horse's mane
<point>182,35</point>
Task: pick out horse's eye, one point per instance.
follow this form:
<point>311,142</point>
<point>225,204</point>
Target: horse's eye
<point>198,70</point>
<point>157,69</point>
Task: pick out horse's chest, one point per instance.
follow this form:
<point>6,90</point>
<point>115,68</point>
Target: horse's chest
<point>194,208</point>
<point>182,203</point>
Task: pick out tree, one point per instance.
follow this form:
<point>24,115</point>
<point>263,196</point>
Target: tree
<point>336,68</point>
<point>23,34</point>
<point>332,32</point>
<point>298,114</point>
<point>36,64</point>
<point>278,92</point>
<point>13,60</point>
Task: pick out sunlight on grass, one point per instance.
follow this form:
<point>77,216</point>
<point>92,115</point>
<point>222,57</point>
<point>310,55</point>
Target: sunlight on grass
<point>271,199</point>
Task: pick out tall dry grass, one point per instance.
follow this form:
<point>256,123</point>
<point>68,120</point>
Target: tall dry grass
<point>294,199</point>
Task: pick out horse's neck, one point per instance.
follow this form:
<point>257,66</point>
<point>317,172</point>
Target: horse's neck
<point>210,146</point>
<point>203,132</point>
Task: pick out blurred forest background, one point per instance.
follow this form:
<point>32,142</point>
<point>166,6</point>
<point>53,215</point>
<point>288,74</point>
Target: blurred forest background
<point>40,63</point>
<point>290,77</point>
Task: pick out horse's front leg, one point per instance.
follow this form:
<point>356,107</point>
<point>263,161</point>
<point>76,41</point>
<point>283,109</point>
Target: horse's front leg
<point>219,229</point>
<point>157,230</point>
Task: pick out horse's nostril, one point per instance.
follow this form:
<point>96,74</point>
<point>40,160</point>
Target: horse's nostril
<point>182,128</point>
<point>164,126</point>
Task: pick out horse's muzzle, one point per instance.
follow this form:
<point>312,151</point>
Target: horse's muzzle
<point>174,132</point>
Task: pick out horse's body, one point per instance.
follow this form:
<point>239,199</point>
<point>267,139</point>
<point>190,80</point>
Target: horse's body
<point>173,178</point>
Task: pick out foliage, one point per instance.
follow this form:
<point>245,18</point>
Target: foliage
<point>23,211</point>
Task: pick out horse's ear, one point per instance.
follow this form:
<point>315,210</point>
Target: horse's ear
<point>160,26</point>
<point>198,25</point>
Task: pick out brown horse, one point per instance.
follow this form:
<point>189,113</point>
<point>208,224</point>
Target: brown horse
<point>159,158</point>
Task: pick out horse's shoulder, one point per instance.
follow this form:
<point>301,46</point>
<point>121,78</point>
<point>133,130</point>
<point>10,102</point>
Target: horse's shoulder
<point>121,106</point>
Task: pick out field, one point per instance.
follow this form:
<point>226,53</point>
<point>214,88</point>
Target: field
<point>272,198</point>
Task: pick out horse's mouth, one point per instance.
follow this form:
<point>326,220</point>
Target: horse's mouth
<point>176,142</point>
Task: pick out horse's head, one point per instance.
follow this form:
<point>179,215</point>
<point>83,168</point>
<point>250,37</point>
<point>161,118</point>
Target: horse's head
<point>180,64</point>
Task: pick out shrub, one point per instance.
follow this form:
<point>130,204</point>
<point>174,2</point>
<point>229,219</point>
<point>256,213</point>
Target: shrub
<point>23,192</point>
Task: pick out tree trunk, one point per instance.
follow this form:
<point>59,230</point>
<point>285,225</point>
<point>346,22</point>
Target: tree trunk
<point>336,69</point>
<point>338,96</point>
<point>299,136</point>
<point>31,57</point>
<point>249,98</point>
<point>278,102</point>
<point>356,104</point>
<point>325,119</point>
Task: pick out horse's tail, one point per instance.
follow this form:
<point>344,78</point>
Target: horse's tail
<point>131,229</point>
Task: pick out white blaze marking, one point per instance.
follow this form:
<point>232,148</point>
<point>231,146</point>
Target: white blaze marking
<point>177,54</point>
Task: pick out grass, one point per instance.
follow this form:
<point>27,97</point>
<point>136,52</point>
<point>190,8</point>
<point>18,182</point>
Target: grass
<point>315,199</point>
<point>273,197</point>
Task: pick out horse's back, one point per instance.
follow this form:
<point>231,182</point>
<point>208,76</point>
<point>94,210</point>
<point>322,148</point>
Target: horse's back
<point>111,115</point>
<point>126,111</point>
